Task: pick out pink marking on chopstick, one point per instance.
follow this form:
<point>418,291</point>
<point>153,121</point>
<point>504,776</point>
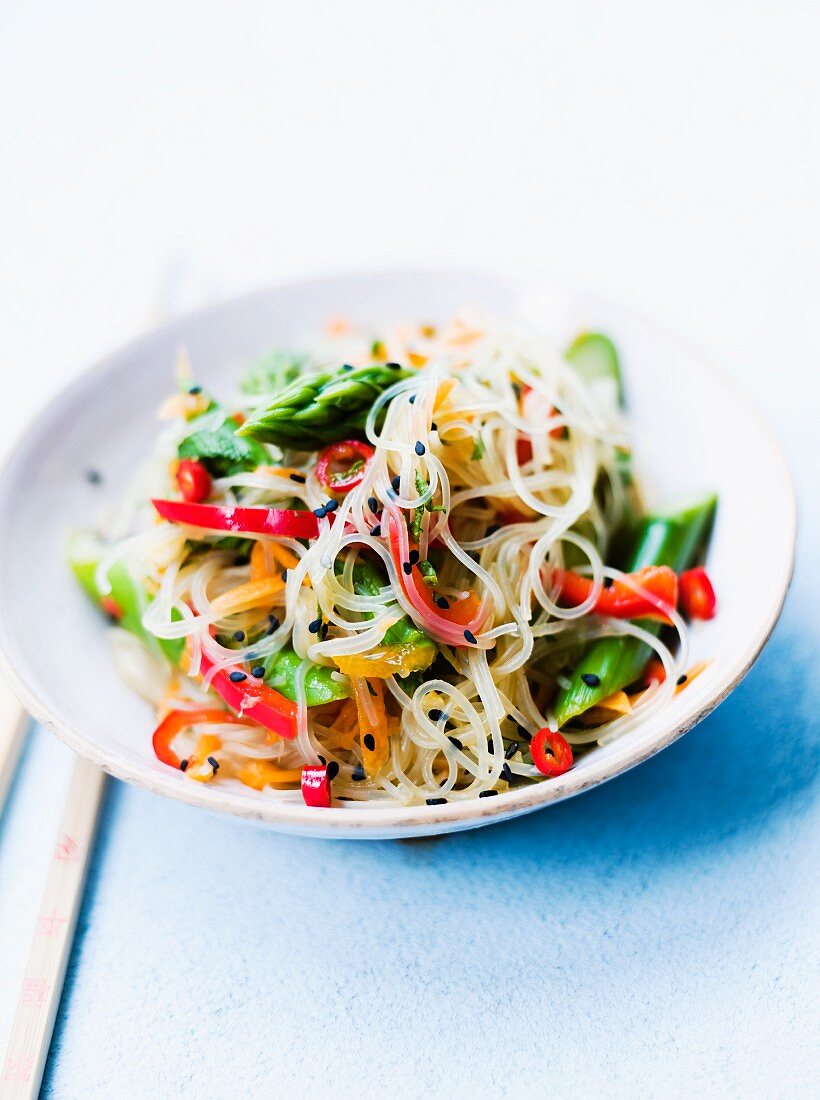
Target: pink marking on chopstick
<point>34,993</point>
<point>19,1069</point>
<point>51,926</point>
<point>68,849</point>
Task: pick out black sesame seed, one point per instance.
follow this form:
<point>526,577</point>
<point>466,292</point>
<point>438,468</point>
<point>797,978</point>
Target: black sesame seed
<point>491,530</point>
<point>434,427</point>
<point>214,763</point>
<point>454,741</point>
<point>315,626</point>
<point>332,769</point>
<point>373,504</point>
<point>436,801</point>
<point>524,733</point>
<point>357,775</point>
<point>435,714</point>
<point>322,760</point>
<point>195,390</point>
<point>183,765</point>
<point>393,366</point>
<point>486,794</point>
<point>414,557</point>
<point>239,635</point>
<point>320,512</point>
<point>590,679</point>
<point>512,749</point>
<point>284,574</point>
<point>681,680</point>
<point>395,482</point>
<point>442,603</point>
<point>258,672</point>
<point>391,495</point>
<point>420,448</point>
<point>506,772</point>
<point>470,637</point>
<point>369,742</point>
<point>238,676</point>
<point>407,567</point>
<point>412,399</point>
<point>300,479</point>
<point>331,506</point>
<point>273,624</point>
<point>347,366</point>
<point>325,629</point>
<point>93,477</point>
<point>376,531</point>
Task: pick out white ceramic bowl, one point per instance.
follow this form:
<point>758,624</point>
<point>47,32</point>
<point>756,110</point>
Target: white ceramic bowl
<point>693,431</point>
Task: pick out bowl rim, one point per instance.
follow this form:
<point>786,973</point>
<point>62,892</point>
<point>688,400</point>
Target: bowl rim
<point>369,820</point>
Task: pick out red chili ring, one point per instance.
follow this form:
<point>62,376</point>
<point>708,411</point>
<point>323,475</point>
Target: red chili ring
<point>551,753</point>
<point>346,451</point>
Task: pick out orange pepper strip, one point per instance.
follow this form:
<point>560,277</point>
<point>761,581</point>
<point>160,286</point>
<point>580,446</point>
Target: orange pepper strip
<point>245,596</point>
<point>262,773</point>
<point>373,731</point>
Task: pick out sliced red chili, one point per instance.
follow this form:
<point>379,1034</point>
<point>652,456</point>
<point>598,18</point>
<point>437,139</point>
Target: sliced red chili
<point>193,480</point>
<point>697,596</point>
<point>551,753</point>
<point>342,465</point>
<point>316,786</point>
<point>281,522</point>
<point>111,607</point>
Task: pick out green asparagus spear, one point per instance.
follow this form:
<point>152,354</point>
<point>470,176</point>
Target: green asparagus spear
<point>673,539</point>
<point>594,356</point>
<point>321,408</point>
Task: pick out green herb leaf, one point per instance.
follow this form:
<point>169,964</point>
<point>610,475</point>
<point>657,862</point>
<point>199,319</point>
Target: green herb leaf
<point>222,452</point>
<point>478,449</point>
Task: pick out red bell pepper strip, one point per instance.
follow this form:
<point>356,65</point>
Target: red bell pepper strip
<point>176,721</point>
<point>551,753</point>
<point>316,786</point>
<point>193,480</point>
<point>281,522</point>
<point>620,601</point>
<point>451,623</point>
<point>697,596</point>
<point>254,701</point>
<point>351,451</point>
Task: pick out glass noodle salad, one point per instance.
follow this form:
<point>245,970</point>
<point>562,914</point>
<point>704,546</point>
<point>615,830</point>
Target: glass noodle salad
<point>398,568</point>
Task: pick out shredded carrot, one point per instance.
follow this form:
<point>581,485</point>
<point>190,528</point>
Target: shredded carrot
<point>373,730</point>
<point>416,360</point>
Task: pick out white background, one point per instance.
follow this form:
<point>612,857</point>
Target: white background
<point>155,156</point>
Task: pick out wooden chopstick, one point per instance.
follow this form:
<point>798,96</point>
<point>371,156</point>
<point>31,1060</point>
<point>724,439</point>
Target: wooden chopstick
<point>51,945</point>
<point>13,725</point>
